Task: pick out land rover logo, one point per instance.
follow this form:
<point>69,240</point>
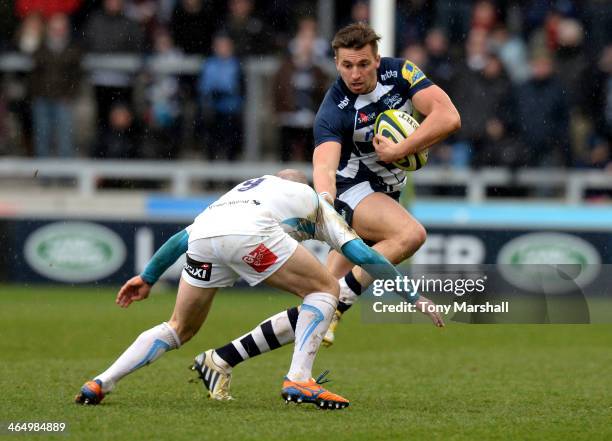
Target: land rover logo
<point>549,262</point>
<point>74,251</point>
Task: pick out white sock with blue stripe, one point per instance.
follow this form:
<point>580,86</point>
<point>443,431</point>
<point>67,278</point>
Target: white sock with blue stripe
<point>313,320</point>
<point>148,347</point>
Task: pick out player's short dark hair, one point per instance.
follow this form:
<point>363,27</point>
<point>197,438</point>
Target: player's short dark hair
<point>355,36</point>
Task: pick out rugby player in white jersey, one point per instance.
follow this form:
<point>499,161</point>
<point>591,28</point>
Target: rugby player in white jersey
<point>353,168</point>
<point>251,232</point>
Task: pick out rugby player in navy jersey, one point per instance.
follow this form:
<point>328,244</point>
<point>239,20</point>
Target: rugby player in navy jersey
<point>353,167</point>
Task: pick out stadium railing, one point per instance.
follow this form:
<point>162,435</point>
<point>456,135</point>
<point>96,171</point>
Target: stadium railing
<point>183,178</point>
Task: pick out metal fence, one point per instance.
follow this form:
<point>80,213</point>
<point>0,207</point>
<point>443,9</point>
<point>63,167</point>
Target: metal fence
<point>182,178</point>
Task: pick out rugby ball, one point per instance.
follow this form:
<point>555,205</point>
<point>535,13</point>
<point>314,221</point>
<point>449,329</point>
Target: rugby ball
<point>398,125</point>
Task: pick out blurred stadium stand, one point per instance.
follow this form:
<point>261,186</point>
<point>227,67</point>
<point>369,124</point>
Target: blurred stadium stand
<point>490,56</point>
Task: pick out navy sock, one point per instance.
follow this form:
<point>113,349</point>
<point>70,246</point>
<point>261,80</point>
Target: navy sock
<point>265,337</point>
<point>354,286</point>
<point>343,307</point>
<point>352,283</point>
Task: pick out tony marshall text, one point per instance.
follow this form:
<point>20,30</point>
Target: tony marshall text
<point>443,309</point>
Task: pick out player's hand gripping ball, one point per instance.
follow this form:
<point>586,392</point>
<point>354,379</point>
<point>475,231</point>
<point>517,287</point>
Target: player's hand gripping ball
<point>397,126</point>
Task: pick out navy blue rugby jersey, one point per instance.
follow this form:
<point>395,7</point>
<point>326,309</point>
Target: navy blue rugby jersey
<point>349,119</point>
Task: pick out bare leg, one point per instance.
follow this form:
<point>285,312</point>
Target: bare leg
<point>190,311</point>
<point>379,218</point>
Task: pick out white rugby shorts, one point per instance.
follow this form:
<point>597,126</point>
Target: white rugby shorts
<point>354,195</point>
<point>217,262</point>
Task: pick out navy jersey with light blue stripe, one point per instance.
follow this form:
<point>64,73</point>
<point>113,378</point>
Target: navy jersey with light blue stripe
<point>349,118</point>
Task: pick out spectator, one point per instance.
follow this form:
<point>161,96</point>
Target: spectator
<point>281,15</point>
<point>481,90</point>
<point>162,96</point>
<point>7,25</point>
<point>4,136</point>
<point>512,52</point>
<point>300,87</point>
<point>122,138</point>
<point>28,39</point>
<point>416,53</point>
<point>597,94</point>
<point>108,31</point>
<point>307,29</point>
<point>570,60</point>
<point>598,157</point>
<point>192,26</point>
<point>547,36</point>
<point>246,31</point>
<point>412,21</point>
<point>144,12</point>
<point>221,99</point>
<point>500,148</point>
<point>598,14</point>
<point>600,154</point>
<point>165,10</point>
<point>542,115</point>
<point>440,68</point>
<point>54,84</point>
<point>476,50</point>
<point>30,33</point>
<point>46,8</point>
<point>484,16</point>
<point>535,13</point>
<point>360,12</point>
<point>454,18</point>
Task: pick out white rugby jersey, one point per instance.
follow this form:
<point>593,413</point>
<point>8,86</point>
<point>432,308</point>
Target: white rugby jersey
<point>348,119</point>
<point>259,206</point>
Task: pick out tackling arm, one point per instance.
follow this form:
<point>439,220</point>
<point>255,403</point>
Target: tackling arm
<point>374,263</point>
<point>379,267</point>
<point>139,287</point>
<point>334,231</point>
<point>165,256</point>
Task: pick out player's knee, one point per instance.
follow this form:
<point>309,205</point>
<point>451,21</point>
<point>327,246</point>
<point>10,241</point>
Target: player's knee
<point>333,287</point>
<point>410,240</point>
<point>420,236</point>
<point>326,283</point>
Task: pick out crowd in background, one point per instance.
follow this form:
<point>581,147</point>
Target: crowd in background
<point>532,79</point>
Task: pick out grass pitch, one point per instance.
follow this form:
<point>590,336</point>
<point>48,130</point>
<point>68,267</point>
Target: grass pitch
<point>413,382</point>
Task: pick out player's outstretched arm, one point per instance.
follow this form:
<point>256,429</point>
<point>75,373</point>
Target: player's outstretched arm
<point>139,287</point>
<point>377,266</point>
<point>133,290</point>
<point>374,263</point>
<point>165,256</point>
<point>333,230</point>
<point>422,305</point>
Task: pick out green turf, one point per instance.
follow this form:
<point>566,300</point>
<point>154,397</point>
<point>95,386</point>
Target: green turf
<point>408,382</point>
